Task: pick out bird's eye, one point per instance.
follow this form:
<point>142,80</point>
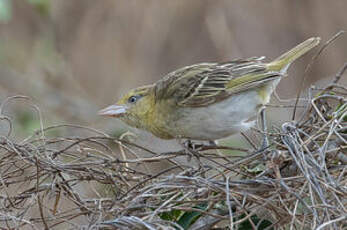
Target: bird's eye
<point>132,99</point>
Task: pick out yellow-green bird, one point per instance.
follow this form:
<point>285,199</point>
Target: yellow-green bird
<point>206,101</point>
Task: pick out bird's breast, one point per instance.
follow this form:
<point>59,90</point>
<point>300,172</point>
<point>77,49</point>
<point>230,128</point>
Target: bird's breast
<point>232,115</point>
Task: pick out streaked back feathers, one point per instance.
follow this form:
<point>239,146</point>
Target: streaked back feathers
<point>204,84</point>
<point>207,83</point>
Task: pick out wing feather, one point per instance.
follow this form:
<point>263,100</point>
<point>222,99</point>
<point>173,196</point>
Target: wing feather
<point>207,83</point>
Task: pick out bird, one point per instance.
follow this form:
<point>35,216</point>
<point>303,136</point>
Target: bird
<point>206,101</point>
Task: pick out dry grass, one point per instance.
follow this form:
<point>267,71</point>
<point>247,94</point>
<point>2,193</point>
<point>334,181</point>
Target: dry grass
<point>52,182</point>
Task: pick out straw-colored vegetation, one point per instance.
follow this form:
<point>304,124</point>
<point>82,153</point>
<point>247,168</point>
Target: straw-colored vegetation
<point>298,182</point>
<point>63,167</point>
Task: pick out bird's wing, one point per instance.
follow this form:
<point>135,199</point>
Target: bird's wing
<point>207,83</point>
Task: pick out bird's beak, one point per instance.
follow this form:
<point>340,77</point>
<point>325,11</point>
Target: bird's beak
<point>113,111</point>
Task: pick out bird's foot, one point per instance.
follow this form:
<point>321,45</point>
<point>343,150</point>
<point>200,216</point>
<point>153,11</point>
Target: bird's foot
<point>264,147</point>
<point>192,149</point>
<point>191,146</point>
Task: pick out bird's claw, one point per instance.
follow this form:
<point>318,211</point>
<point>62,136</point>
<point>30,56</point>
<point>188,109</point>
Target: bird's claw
<point>191,146</point>
<point>192,149</point>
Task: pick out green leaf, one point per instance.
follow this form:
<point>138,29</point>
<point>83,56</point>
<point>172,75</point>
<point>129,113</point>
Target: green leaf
<point>188,218</point>
<point>171,216</point>
<point>246,225</point>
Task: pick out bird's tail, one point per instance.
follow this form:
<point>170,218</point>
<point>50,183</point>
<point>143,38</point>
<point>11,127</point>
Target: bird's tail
<point>282,62</point>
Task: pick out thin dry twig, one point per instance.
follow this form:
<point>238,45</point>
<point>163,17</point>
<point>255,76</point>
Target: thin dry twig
<point>85,182</point>
<point>309,67</point>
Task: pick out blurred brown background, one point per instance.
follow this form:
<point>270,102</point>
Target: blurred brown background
<point>74,57</point>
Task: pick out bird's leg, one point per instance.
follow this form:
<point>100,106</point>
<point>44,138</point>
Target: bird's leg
<point>265,143</point>
<point>258,165</point>
<point>192,150</point>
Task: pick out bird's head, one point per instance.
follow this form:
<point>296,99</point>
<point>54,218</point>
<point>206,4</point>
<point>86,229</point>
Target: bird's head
<point>134,108</point>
